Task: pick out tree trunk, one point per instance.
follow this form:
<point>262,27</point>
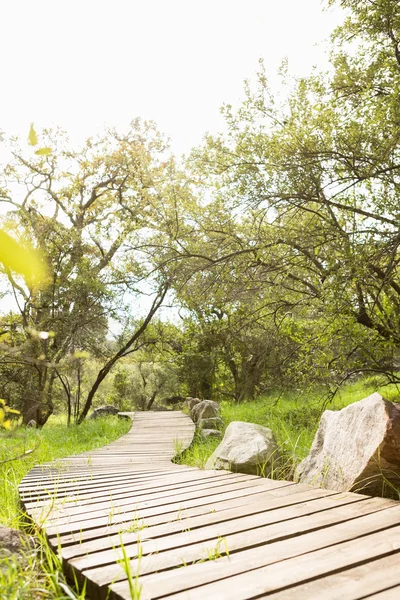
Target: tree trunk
<point>40,407</point>
<point>124,350</point>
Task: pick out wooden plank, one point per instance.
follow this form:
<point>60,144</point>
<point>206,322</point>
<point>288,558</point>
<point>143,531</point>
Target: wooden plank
<point>350,584</point>
<point>263,553</point>
<point>191,552</point>
<point>298,569</point>
<point>147,509</point>
<point>177,516</point>
<point>391,594</point>
<point>108,480</point>
<point>89,477</point>
<point>190,536</point>
<point>71,506</point>
<point>184,479</point>
<point>103,487</point>
<point>260,503</point>
<point>100,509</point>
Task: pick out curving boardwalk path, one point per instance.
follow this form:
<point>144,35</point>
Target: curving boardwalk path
<point>189,534</point>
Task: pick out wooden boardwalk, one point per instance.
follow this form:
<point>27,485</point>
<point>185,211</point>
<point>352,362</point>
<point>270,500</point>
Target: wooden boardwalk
<point>189,534</point>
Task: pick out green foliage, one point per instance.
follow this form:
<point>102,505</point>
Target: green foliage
<point>36,573</point>
<point>7,415</point>
<point>101,225</point>
<point>297,247</point>
<point>22,259</point>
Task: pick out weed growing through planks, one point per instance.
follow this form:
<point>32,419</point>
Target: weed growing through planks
<point>186,529</point>
<point>180,514</point>
<point>114,510</point>
<point>47,509</point>
<point>75,539</point>
<point>135,588</point>
<point>217,551</point>
<point>137,524</point>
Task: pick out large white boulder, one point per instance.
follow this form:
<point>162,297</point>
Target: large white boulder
<point>245,448</point>
<point>356,448</point>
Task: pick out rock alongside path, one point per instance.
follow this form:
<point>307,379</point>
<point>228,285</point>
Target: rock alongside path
<point>356,448</point>
<point>104,411</point>
<point>245,448</point>
<point>205,409</point>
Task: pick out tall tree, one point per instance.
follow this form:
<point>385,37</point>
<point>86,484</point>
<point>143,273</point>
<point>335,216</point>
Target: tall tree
<point>91,213</point>
<point>316,179</point>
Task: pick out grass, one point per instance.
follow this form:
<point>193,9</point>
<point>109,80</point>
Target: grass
<point>36,572</point>
<point>293,418</point>
<point>135,588</point>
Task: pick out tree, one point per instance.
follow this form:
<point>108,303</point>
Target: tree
<point>92,214</point>
<point>312,185</point>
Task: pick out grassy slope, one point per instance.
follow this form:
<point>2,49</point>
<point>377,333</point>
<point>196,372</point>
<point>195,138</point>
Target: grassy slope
<point>37,574</point>
<point>293,418</point>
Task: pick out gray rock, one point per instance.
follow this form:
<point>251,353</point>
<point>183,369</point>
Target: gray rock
<point>104,411</point>
<point>211,423</point>
<point>13,541</point>
<point>246,448</point>
<point>204,410</point>
<point>207,433</point>
<point>356,448</point>
<point>192,402</point>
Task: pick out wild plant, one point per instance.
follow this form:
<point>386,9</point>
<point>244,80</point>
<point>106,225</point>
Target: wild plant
<point>135,588</point>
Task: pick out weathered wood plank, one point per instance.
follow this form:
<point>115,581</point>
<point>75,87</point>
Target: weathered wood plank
<point>206,506</point>
<point>259,503</point>
<point>350,584</point>
<point>298,569</point>
<point>156,560</point>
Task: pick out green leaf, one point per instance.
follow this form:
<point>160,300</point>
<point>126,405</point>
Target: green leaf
<point>81,354</point>
<point>24,260</point>
<point>44,151</point>
<point>32,137</point>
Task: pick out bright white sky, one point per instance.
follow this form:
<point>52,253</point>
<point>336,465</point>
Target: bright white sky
<point>82,64</point>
